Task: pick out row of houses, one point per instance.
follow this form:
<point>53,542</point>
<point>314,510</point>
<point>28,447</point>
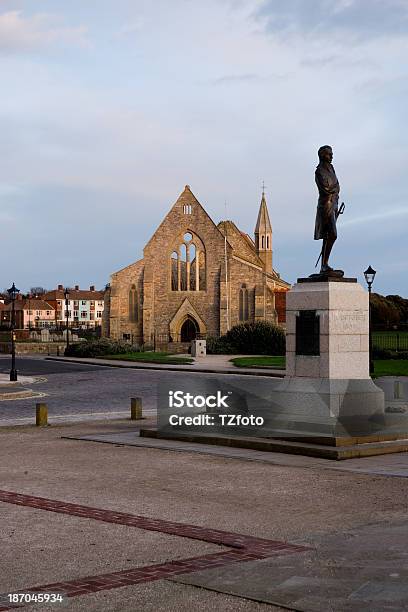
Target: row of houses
<point>84,309</point>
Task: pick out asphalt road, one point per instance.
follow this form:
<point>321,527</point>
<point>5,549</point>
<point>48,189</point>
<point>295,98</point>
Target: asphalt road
<point>77,391</point>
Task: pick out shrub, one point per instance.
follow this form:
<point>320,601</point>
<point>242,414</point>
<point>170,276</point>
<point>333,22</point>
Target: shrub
<point>97,348</point>
<point>379,353</point>
<point>219,346</point>
<point>259,338</point>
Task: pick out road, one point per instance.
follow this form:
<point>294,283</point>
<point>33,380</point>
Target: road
<point>77,392</point>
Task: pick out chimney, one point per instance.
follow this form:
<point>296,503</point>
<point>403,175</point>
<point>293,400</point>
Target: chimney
<point>76,287</point>
<point>92,288</point>
<point>60,287</point>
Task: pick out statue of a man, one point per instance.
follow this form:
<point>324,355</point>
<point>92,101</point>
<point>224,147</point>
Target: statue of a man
<point>327,207</point>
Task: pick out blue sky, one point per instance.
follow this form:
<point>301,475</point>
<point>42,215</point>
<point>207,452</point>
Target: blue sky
<point>109,108</point>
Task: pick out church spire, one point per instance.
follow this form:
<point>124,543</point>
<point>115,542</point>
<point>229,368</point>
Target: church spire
<point>263,234</point>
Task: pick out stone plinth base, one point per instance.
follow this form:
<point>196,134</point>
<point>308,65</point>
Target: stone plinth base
<point>336,448</point>
<point>330,406</point>
<point>328,388</point>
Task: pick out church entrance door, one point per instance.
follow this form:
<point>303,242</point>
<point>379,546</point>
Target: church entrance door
<point>189,330</point>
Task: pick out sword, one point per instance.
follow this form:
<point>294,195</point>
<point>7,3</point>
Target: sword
<point>340,211</point>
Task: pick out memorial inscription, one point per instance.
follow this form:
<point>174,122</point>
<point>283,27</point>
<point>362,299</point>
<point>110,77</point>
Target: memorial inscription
<point>308,333</point>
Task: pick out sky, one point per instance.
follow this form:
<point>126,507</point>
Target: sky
<point>109,108</point>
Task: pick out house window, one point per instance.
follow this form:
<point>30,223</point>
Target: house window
<point>83,314</point>
<point>243,303</point>
<point>133,305</point>
<point>83,302</point>
<point>187,209</point>
<point>99,314</point>
<point>187,265</point>
<point>267,242</point>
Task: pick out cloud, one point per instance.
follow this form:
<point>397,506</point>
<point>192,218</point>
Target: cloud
<point>129,29</point>
<point>236,78</point>
<point>378,216</point>
<point>19,34</point>
<point>356,18</point>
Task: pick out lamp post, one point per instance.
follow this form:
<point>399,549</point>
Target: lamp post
<point>13,294</point>
<point>66,296</point>
<point>370,276</point>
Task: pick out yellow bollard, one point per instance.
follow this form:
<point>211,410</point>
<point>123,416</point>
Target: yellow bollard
<point>135,408</point>
<point>41,415</point>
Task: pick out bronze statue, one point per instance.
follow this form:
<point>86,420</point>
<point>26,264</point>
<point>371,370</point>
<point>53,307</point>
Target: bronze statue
<point>327,209</point>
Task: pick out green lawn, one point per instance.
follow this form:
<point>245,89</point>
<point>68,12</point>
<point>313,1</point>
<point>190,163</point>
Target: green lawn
<point>150,357</point>
<point>382,367</point>
<point>266,361</point>
<point>390,367</point>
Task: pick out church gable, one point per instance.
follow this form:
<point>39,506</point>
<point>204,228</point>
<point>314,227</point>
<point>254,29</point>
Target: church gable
<point>186,214</point>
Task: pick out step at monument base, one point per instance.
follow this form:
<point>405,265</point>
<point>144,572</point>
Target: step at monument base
<point>323,446</point>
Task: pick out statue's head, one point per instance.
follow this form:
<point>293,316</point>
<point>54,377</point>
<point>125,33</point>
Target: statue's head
<point>325,154</point>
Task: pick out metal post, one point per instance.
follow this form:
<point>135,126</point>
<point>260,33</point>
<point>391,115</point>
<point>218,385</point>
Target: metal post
<point>41,415</point>
<point>13,371</point>
<point>136,410</point>
<point>370,336</point>
<point>67,318</point>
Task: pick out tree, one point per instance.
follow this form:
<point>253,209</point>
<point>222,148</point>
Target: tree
<point>38,291</point>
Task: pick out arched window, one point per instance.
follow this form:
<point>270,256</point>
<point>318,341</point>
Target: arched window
<point>133,305</point>
<point>187,263</point>
<point>174,271</point>
<point>243,304</point>
<point>267,242</point>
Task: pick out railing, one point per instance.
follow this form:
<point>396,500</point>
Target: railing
<point>394,341</point>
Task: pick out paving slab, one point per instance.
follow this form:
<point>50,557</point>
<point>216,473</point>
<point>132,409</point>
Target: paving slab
<point>343,574</point>
<point>385,465</point>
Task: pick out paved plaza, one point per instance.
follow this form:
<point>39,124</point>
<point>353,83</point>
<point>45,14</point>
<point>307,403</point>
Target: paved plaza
<point>112,521</point>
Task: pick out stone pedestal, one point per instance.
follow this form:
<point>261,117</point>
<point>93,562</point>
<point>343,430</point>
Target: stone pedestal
<point>327,388</point>
<point>342,312</point>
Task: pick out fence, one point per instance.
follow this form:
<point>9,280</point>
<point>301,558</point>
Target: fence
<point>394,341</point>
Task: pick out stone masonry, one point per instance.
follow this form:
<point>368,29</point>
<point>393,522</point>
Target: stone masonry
<point>196,278</point>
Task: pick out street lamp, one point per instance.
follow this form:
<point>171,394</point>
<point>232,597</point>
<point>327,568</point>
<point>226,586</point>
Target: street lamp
<point>66,296</point>
<point>13,294</point>
<point>369,275</point>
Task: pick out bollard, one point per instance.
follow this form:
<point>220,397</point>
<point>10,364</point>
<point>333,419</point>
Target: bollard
<point>398,390</point>
<point>41,415</point>
<point>135,408</point>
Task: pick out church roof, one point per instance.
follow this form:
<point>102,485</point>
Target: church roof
<point>242,244</point>
<point>263,224</point>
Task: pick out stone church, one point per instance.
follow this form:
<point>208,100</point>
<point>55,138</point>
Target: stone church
<point>196,279</point>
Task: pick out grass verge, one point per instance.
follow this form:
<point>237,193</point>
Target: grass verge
<point>390,367</point>
<point>265,361</point>
<point>382,367</point>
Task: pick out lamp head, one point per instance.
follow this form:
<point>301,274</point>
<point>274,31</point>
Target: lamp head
<point>13,291</point>
<point>370,275</point>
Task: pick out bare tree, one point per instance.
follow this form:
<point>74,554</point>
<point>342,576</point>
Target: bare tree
<point>37,290</point>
